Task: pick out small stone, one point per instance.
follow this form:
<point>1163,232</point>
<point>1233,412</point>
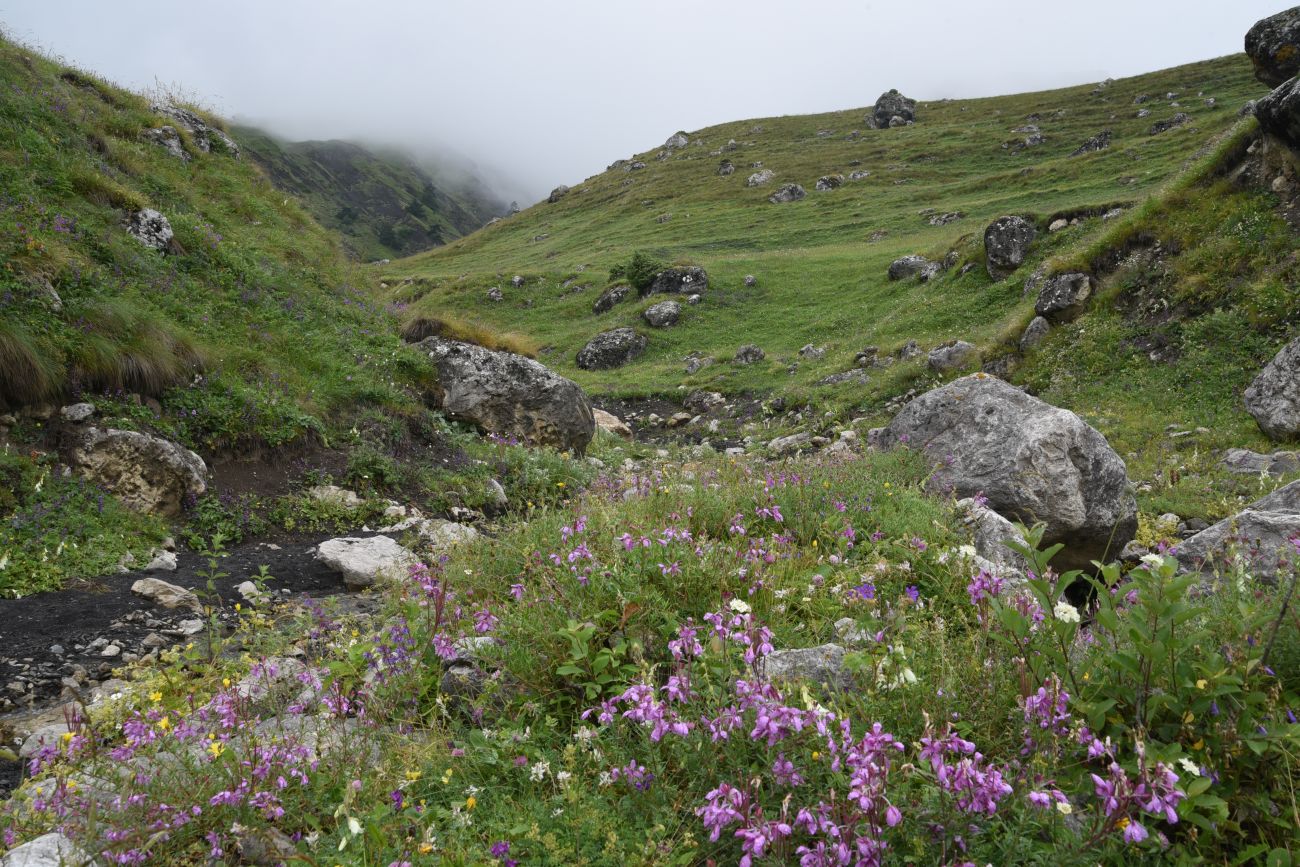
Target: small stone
<point>190,627</point>
<point>111,651</point>
<point>77,412</point>
<point>164,562</point>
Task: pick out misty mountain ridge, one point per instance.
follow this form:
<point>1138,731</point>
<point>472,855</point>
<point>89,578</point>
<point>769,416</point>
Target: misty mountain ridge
<point>383,202</point>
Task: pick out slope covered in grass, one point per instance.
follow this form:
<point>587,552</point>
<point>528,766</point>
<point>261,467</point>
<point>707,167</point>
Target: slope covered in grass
<point>383,203</point>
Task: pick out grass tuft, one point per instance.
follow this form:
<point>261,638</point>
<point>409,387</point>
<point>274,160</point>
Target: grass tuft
<point>418,328</point>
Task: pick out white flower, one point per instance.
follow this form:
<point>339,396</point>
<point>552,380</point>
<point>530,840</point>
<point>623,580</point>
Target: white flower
<point>740,606</point>
<point>1065,612</point>
<point>354,826</point>
<point>606,779</point>
<point>1154,561</point>
<point>538,772</point>
<point>1190,766</point>
<point>967,551</point>
<point>563,777</point>
<point>1064,808</point>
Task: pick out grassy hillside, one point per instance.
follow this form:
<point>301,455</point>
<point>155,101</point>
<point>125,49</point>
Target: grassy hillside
<point>383,204</point>
<point>821,263</point>
<point>253,335</point>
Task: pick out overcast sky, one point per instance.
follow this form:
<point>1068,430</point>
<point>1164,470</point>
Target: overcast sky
<point>551,92</point>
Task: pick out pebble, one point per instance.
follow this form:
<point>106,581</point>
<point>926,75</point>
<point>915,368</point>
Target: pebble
<point>57,649</point>
<point>111,651</point>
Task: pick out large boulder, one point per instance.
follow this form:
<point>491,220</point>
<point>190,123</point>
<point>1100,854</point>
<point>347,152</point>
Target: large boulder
<point>890,105</point>
<point>1006,243</point>
<point>683,280</point>
<point>1273,398</point>
<point>951,356</point>
<point>1247,463</point>
<point>49,850</point>
<point>787,193</point>
<point>151,228</point>
<point>558,193</point>
<point>611,349</point>
<point>1063,296</point>
<point>1031,461</point>
<point>1037,329</point>
<point>1259,537</point>
<point>757,179</point>
<point>1273,45</point>
<point>1278,113</point>
<point>907,266</point>
<point>147,473</point>
<point>611,296</point>
<point>663,314</point>
<point>366,561</point>
<point>509,395</point>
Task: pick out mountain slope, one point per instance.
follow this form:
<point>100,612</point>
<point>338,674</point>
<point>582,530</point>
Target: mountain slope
<point>384,204</point>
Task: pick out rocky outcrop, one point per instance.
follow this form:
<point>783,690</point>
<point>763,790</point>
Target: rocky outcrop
<point>830,182</point>
<point>611,349</point>
<point>951,356</point>
<point>1165,125</point>
<point>203,134</point>
<point>1006,243</point>
<point>558,193</point>
<point>1258,538</point>
<point>682,280</point>
<point>907,266</point>
<point>1099,142</point>
<point>890,105</point>
<point>147,473</point>
<point>611,296</point>
<point>167,138</point>
<point>749,354</point>
<point>1278,114</point>
<point>787,193</point>
<point>151,228</point>
<point>50,850</point>
<point>1247,463</point>
<point>365,561</point>
<point>1273,398</point>
<point>1030,460</point>
<point>1063,296</point>
<point>990,536</point>
<point>662,315</point>
<point>1273,46</point>
<point>509,395</point>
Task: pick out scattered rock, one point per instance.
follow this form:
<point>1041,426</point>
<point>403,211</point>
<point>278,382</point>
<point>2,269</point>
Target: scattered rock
<point>830,182</point>
<point>610,297</point>
<point>612,424</point>
<point>147,473</point>
<point>662,315</point>
<point>250,593</point>
<point>1248,463</point>
<point>824,665</point>
<point>726,167</point>
<point>165,561</point>
<point>510,395</point>
<point>751,280</point>
<point>1099,142</point>
<point>440,535</point>
<point>1273,45</point>
<point>558,193</point>
<point>787,193</point>
<point>151,228</point>
<point>166,594</point>
<point>1059,224</point>
<point>494,295</point>
<point>1035,331</point>
<point>612,348</point>
<point>1273,398</point>
<point>365,561</point>
<point>677,141</point>
<point>696,362</point>
<point>749,354</point>
<point>1063,296</point>
<point>49,850</point>
<point>1006,243</point>
<point>263,846</point>
<point>945,218</point>
<point>788,445</point>
<point>907,266</point>
<point>77,412</point>
<point>860,174</point>
<point>890,105</point>
<point>1032,461</point>
<point>1165,125</point>
<point>683,280</point>
<point>757,179</point>
<point>952,356</point>
<point>810,351</point>
<point>333,495</point>
<point>1259,537</point>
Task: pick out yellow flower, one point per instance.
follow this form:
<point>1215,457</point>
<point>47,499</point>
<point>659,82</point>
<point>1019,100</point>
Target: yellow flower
<point>446,778</point>
<point>470,802</point>
<point>559,484</point>
<point>237,606</point>
<point>413,775</point>
<point>225,681</point>
<point>814,543</point>
<point>67,737</point>
<point>426,848</point>
<point>216,748</point>
<point>1202,683</point>
<point>164,724</point>
<point>816,755</point>
<point>155,697</point>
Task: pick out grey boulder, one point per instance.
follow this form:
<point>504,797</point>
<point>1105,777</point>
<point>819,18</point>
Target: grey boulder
<point>749,354</point>
<point>682,280</point>
<point>951,356</point>
<point>510,395</point>
<point>611,349</point>
<point>49,850</point>
<point>151,228</point>
<point>1063,296</point>
<point>991,535</point>
<point>1006,243</point>
<point>757,179</point>
<point>1037,329</point>
<point>558,193</point>
<point>1278,113</point>
<point>1031,461</point>
<point>662,315</point>
<point>203,134</point>
<point>1258,538</point>
<point>907,266</point>
<point>365,561</point>
<point>824,665</point>
<point>787,193</point>
<point>1273,45</point>
<point>147,473</point>
<point>890,105</point>
<point>1273,398</point>
<point>611,296</point>
<point>1248,463</point>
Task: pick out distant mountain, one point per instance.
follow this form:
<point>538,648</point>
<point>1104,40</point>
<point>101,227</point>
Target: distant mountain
<point>385,204</point>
